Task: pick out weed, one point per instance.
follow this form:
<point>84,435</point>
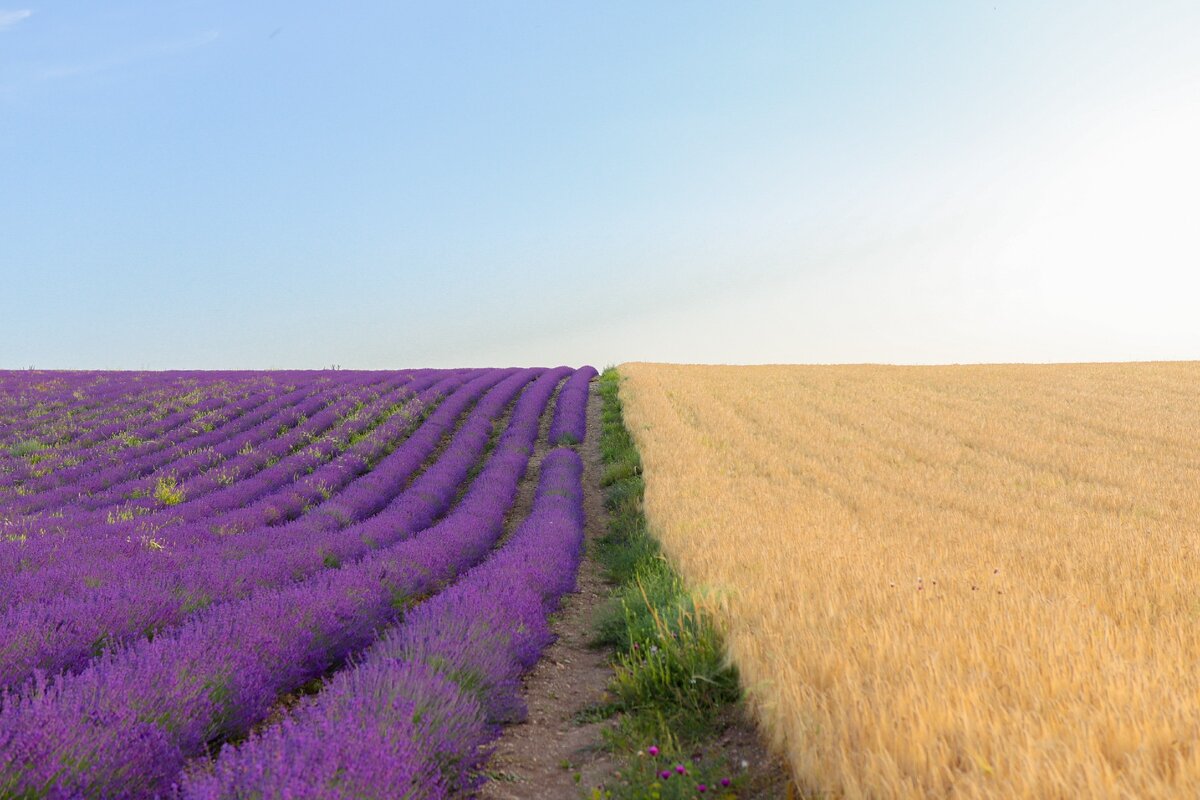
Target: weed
<point>26,448</point>
<point>167,491</point>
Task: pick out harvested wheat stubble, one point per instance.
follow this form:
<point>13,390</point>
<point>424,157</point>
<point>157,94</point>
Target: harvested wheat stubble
<point>970,581</point>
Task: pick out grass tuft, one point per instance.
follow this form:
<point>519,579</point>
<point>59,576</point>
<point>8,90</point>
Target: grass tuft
<point>167,491</point>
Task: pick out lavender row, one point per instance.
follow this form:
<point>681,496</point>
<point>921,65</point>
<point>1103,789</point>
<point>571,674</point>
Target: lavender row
<point>83,549</point>
<point>115,395</point>
<point>66,631</point>
<point>570,412</point>
<point>270,497</point>
<point>233,448</point>
<point>68,484</point>
<point>308,476</point>
<point>35,459</point>
<point>27,397</point>
<point>124,726</point>
<point>90,477</point>
<point>130,399</point>
<point>414,718</point>
<point>270,454</point>
<point>52,528</point>
<point>267,470</point>
<point>126,439</point>
<point>206,451</point>
<point>39,409</point>
<point>42,540</point>
<point>116,435</point>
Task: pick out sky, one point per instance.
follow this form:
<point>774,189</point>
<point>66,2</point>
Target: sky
<point>192,184</point>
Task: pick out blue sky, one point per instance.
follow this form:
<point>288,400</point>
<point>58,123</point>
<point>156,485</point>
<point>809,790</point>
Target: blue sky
<point>222,184</point>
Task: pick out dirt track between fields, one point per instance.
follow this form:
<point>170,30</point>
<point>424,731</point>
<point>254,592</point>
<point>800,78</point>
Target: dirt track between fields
<point>540,757</point>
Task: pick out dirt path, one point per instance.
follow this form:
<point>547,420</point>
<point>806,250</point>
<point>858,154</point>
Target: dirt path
<point>541,757</point>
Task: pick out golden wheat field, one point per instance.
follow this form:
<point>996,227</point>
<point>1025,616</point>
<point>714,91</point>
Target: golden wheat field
<point>966,581</point>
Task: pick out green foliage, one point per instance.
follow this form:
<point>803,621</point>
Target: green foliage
<point>196,602</point>
<point>227,476</point>
<point>619,471</point>
<point>676,662</point>
<point>120,515</point>
<point>191,398</point>
<point>637,605</point>
<point>641,776</point>
<point>26,448</point>
<point>167,491</point>
<point>671,680</point>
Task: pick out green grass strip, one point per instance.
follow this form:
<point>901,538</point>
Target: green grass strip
<point>673,687</point>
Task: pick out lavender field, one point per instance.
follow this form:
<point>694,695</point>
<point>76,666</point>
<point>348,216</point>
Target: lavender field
<point>277,584</point>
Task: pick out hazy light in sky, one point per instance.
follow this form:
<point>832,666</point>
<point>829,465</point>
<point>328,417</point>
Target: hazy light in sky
<point>214,185</point>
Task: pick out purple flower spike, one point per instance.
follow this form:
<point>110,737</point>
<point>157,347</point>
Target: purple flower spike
<point>652,750</point>
<point>681,769</point>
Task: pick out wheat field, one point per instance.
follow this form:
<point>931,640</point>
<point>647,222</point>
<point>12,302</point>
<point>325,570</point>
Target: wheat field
<point>965,581</point>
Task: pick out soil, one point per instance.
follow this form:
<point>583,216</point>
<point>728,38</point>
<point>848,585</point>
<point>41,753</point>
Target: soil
<point>540,757</point>
<point>527,488</point>
<point>551,755</point>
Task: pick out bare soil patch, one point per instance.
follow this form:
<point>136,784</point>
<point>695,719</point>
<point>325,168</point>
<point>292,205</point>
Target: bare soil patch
<point>540,757</point>
<point>552,755</point>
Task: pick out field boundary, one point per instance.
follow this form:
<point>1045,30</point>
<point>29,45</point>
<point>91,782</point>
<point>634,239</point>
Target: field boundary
<point>679,726</point>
